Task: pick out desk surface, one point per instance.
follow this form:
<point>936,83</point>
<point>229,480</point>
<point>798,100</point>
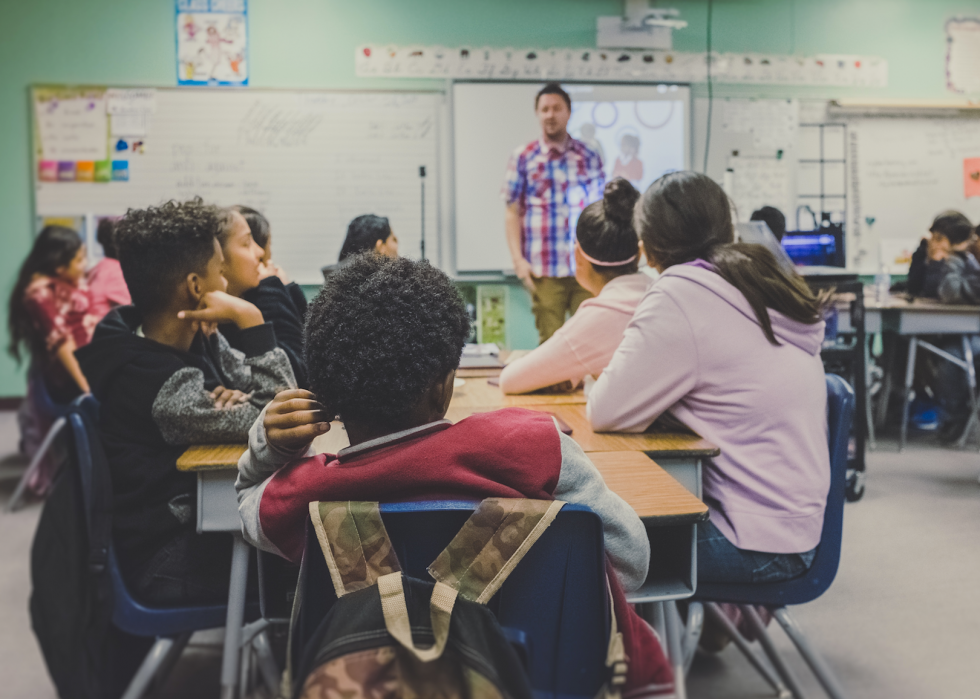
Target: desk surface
<point>901,303</point>
<point>647,488</point>
<point>477,393</point>
<point>654,443</point>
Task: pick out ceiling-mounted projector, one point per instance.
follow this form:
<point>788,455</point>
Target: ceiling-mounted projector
<point>640,27</point>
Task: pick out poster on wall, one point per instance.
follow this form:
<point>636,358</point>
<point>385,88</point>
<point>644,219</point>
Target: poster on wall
<point>963,55</point>
<point>212,42</point>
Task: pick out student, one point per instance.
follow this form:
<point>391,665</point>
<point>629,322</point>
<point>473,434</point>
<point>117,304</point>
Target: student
<point>105,279</point>
<point>262,235</point>
<point>49,311</point>
<point>773,218</point>
<point>49,315</point>
<point>165,379</point>
<point>384,338</point>
<point>367,232</point>
<point>943,267</point>
<point>279,304</point>
<point>606,265</point>
<point>729,344</point>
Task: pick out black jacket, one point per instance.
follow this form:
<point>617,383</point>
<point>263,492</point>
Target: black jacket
<point>955,280</point>
<point>283,305</point>
<point>155,402</point>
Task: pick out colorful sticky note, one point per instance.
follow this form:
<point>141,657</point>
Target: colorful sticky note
<point>47,171</point>
<point>66,171</point>
<point>120,171</point>
<point>971,177</point>
<point>103,170</point>
<point>85,171</point>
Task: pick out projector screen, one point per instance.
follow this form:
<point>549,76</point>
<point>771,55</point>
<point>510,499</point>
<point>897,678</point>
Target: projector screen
<point>641,132</point>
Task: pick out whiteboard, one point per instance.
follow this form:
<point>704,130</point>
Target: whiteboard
<point>907,171</point>
<point>309,160</point>
<point>492,119</point>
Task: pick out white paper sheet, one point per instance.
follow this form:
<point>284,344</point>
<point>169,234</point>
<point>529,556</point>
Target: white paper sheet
<point>73,128</point>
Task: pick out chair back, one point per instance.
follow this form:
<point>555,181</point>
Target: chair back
<point>840,413</point>
<point>93,469</point>
<point>553,607</point>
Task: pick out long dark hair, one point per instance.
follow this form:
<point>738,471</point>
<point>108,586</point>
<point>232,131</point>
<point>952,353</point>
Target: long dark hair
<point>605,229</point>
<point>257,224</point>
<point>54,247</point>
<point>363,233</point>
<point>686,216</point>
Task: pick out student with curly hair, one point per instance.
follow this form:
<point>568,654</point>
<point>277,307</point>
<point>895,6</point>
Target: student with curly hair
<point>607,251</point>
<point>383,339</point>
<point>165,379</point>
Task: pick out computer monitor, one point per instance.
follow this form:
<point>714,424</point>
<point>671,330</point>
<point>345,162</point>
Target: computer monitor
<point>823,247</point>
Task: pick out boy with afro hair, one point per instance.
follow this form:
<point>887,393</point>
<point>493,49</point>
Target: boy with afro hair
<point>383,341</point>
<point>166,379</point>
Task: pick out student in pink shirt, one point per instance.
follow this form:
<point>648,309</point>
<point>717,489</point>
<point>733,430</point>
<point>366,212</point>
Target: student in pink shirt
<point>606,264</point>
<point>729,344</point>
<point>105,281</point>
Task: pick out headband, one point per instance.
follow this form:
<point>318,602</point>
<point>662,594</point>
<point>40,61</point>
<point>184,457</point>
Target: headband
<point>600,263</point>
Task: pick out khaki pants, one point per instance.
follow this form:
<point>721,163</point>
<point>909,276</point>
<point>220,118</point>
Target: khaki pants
<point>552,298</point>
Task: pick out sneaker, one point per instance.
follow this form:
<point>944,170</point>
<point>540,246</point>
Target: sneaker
<point>924,416</point>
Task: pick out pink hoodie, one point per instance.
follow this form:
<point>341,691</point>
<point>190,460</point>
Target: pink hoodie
<point>583,345</point>
<point>695,348</point>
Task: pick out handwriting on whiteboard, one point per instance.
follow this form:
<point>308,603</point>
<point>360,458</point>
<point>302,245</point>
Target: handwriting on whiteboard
<point>266,124</point>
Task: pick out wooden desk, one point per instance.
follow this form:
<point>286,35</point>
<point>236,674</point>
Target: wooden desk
<point>478,394</point>
<point>647,488</point>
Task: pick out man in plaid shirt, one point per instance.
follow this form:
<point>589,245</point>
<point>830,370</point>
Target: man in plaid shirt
<point>549,182</point>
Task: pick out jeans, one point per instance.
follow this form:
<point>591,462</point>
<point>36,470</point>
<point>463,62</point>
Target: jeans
<point>720,561</point>
<point>952,389</point>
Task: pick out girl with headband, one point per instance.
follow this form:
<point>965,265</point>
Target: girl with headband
<point>607,253</point>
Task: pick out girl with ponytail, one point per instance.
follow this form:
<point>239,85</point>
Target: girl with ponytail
<point>606,263</point>
<point>729,344</point>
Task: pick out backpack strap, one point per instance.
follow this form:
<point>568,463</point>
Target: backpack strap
<point>355,544</point>
<point>490,545</point>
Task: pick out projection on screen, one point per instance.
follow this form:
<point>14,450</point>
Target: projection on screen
<point>640,131</point>
<point>638,140</point>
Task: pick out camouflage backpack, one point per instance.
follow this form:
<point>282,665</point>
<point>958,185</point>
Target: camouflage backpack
<point>392,636</point>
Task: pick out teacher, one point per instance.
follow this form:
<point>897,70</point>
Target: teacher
<point>549,182</point>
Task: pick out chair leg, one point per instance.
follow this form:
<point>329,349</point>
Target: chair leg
<point>673,623</point>
<point>267,663</point>
<point>173,655</point>
<point>752,616</point>
<point>148,668</point>
<point>809,653</point>
<point>13,504</point>
<point>971,380</point>
<point>714,611</point>
<point>692,633</point>
<point>909,376</point>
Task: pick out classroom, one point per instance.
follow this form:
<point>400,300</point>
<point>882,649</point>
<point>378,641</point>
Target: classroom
<point>607,348</point>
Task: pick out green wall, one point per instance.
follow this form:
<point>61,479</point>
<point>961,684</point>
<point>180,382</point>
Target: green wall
<point>310,44</point>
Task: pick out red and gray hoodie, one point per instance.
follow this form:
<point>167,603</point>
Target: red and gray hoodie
<point>506,453</point>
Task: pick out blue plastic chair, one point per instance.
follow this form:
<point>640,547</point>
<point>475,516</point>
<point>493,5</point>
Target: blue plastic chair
<point>58,413</point>
<point>553,607</point>
<point>172,627</point>
<point>840,413</point>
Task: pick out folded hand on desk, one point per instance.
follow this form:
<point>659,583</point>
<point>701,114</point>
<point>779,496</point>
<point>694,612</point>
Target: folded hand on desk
<point>293,419</point>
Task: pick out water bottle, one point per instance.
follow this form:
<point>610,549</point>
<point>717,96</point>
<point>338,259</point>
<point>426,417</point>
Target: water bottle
<point>883,283</point>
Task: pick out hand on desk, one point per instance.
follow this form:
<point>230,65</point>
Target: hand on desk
<point>293,419</point>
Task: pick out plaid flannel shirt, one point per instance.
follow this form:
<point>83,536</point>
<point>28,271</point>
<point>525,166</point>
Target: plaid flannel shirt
<point>552,187</point>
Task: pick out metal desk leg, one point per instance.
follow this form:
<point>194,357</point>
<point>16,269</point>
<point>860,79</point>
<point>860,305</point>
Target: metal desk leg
<point>909,376</point>
<point>236,614</point>
<point>971,379</point>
